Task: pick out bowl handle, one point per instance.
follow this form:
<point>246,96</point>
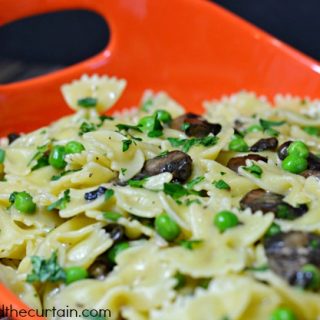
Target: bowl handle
<point>37,93</point>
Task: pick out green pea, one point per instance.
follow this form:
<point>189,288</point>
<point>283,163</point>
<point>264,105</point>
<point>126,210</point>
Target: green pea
<point>298,149</point>
<point>75,273</point>
<point>166,227</point>
<point>224,220</point>
<point>2,156</point>
<point>315,278</point>
<point>239,145</point>
<point>115,250</point>
<point>294,164</point>
<point>163,115</point>
<point>283,313</point>
<point>273,230</point>
<point>56,157</point>
<point>146,123</point>
<point>312,131</point>
<point>254,128</point>
<point>23,202</point>
<point>74,147</point>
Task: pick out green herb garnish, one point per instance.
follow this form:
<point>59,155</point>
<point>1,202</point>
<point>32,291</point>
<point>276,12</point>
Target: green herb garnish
<point>46,270</point>
<point>186,144</point>
<point>190,244</point>
<point>126,144</point>
<point>123,171</point>
<point>41,157</point>
<point>61,203</point>
<point>137,183</point>
<point>113,216</point>
<point>108,194</point>
<point>87,127</point>
<point>221,184</point>
<point>88,102</point>
<point>176,191</point>
<point>254,170</point>
<point>126,127</point>
<point>194,181</point>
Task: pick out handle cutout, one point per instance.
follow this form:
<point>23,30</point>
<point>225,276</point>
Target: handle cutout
<point>44,43</point>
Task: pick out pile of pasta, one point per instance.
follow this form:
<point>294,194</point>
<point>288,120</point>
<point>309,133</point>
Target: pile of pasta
<point>221,271</point>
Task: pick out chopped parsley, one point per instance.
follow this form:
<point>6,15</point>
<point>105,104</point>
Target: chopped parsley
<point>88,102</point>
<point>41,157</point>
<point>46,270</point>
<point>126,143</point>
<point>176,191</point>
<point>312,131</point>
<point>268,125</point>
<point>254,170</point>
<point>111,215</point>
<point>126,127</point>
<point>108,194</point>
<point>194,181</point>
<point>103,118</point>
<point>190,244</point>
<point>123,171</point>
<point>60,203</point>
<point>163,154</point>
<point>87,127</point>
<point>2,156</point>
<point>137,183</point>
<point>221,184</point>
<point>186,144</point>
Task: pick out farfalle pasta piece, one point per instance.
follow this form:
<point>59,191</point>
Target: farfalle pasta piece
<point>105,90</point>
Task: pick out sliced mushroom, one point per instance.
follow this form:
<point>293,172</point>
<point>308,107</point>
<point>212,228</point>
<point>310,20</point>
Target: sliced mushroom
<point>288,252</point>
<point>99,269</point>
<point>195,126</point>
<point>265,201</point>
<point>116,231</point>
<point>265,144</point>
<point>308,173</point>
<point>283,150</point>
<point>313,162</point>
<point>235,163</point>
<point>176,162</point>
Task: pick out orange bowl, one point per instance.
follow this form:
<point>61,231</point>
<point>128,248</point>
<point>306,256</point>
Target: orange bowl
<point>192,49</point>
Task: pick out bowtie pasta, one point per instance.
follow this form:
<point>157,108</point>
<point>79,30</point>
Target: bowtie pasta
<point>155,213</point>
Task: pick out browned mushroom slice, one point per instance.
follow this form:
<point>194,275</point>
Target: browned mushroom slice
<point>176,162</point>
<point>116,231</point>
<point>266,201</point>
<point>99,269</point>
<point>288,252</point>
<point>283,150</point>
<point>313,162</point>
<point>195,126</point>
<point>309,173</point>
<point>235,163</point>
<point>265,144</point>
<point>177,123</point>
